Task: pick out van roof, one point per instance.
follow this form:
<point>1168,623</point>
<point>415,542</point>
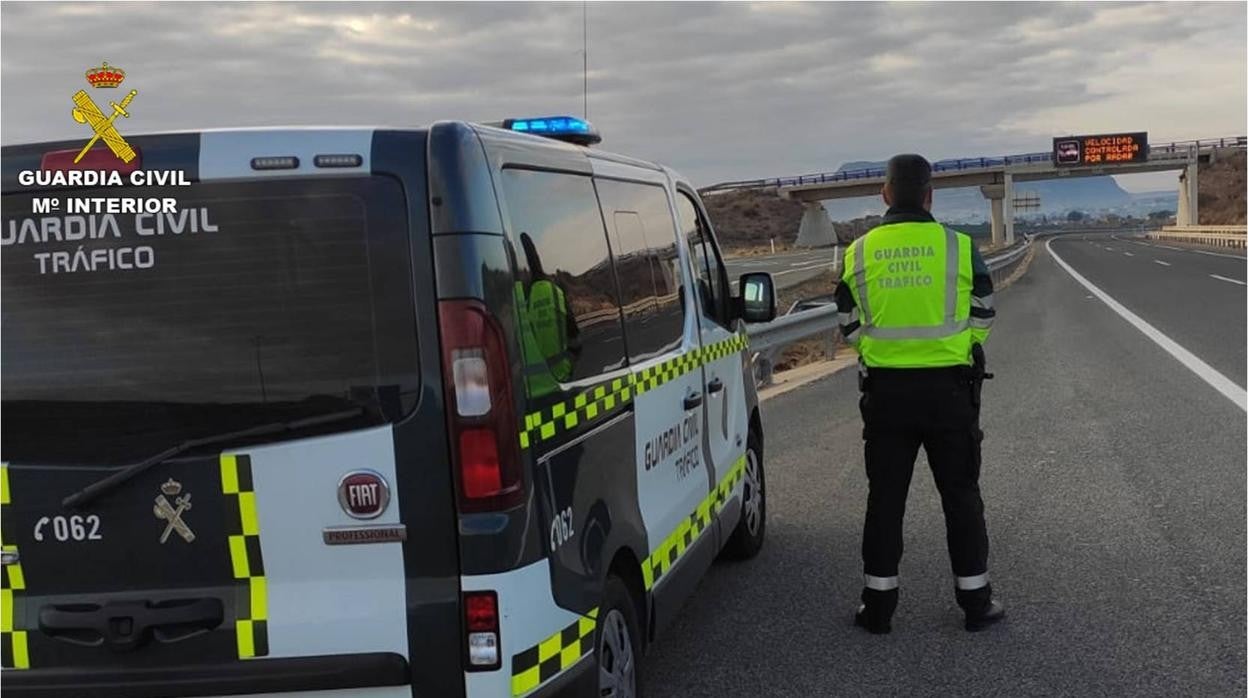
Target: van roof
<point>528,142</point>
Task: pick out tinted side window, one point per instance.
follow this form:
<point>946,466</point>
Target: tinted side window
<point>643,237</point>
<point>712,278</point>
<point>565,290</point>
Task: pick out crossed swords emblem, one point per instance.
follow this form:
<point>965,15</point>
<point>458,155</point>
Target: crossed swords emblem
<point>87,113</point>
<point>173,516</point>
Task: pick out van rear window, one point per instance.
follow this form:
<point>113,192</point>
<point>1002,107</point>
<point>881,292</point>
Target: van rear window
<point>254,302</point>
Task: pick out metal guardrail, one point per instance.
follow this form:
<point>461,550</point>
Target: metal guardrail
<point>768,340</point>
<point>1159,151</point>
<point>1233,236</point>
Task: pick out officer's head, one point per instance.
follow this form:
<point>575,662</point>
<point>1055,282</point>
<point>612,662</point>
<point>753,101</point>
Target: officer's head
<point>531,257</point>
<point>908,182</point>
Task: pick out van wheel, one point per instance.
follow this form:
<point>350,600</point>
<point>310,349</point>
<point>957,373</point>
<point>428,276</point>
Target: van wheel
<point>747,537</point>
<point>618,648</point>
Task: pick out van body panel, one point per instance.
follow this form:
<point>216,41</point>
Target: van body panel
<point>631,444</point>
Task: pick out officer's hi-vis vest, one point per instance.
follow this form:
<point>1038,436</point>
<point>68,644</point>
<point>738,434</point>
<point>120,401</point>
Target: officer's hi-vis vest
<point>912,284</point>
<point>544,336</point>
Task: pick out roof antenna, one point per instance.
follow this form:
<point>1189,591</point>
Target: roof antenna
<point>585,57</point>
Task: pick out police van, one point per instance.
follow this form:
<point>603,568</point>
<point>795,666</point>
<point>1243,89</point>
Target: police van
<point>463,410</point>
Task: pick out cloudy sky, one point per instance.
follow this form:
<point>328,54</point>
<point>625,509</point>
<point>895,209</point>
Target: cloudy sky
<point>718,91</point>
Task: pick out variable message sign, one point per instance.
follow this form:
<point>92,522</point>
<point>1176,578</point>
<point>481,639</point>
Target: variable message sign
<point>1105,149</point>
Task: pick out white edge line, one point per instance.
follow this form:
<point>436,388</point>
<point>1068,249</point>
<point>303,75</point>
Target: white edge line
<point>1234,281</point>
<point>1207,373</point>
<point>1164,264</point>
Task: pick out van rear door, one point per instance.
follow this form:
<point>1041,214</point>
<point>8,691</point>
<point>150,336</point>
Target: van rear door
<point>274,316</point>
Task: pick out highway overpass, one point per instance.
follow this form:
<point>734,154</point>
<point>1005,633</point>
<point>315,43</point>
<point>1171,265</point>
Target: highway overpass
<point>995,176</point>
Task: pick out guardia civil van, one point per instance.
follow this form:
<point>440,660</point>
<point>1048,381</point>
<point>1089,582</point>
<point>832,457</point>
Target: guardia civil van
<point>462,410</point>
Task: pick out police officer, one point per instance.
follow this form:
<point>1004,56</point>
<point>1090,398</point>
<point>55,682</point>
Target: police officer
<point>915,299</point>
<point>549,336</point>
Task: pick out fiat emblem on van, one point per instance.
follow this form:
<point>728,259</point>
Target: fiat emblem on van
<point>363,494</point>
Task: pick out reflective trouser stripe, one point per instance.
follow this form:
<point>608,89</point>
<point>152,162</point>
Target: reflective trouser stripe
<point>985,302</point>
<point>880,583</point>
<point>978,581</point>
<point>981,323</point>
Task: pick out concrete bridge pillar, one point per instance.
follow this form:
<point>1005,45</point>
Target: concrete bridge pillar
<point>1008,208</point>
<point>1188,213</point>
<point>1001,198</point>
<point>816,228</point>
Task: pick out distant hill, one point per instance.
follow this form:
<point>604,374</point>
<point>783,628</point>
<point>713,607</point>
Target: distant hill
<point>1222,190</point>
<point>1058,196</point>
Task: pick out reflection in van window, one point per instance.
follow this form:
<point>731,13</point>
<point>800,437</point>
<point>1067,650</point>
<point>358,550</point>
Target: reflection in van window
<point>643,238</point>
<point>565,292</point>
<point>712,282</point>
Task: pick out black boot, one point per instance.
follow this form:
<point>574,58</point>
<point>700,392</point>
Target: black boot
<point>981,611</point>
<point>876,612</point>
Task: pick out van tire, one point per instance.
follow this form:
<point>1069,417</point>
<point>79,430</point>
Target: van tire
<point>617,642</point>
<point>747,538</point>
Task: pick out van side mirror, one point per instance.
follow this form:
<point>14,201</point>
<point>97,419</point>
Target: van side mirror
<point>757,302</point>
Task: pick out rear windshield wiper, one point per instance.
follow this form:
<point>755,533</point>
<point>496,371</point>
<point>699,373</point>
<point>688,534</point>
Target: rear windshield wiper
<point>95,489</point>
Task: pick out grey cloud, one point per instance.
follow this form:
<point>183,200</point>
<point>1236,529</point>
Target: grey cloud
<point>719,91</point>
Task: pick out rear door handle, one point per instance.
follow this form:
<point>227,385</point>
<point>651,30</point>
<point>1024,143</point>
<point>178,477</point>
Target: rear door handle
<point>715,385</point>
<point>693,400</point>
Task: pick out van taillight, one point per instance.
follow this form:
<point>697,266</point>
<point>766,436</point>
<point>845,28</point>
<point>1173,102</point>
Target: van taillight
<point>479,407</point>
<point>97,158</point>
<point>481,624</point>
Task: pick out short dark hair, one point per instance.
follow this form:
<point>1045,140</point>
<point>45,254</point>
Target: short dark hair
<point>910,178</point>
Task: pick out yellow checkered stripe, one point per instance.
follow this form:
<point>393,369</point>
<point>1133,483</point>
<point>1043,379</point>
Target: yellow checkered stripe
<point>674,546</point>
<point>606,398</point>
<point>542,662</point>
<point>14,652</point>
<point>243,528</point>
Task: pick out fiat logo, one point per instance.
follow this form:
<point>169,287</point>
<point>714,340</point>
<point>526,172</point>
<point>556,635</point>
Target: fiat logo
<point>363,494</point>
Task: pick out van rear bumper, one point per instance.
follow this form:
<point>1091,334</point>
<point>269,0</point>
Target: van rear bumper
<point>330,672</point>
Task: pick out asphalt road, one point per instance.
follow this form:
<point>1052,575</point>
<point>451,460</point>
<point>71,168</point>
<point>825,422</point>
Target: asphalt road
<point>1194,297</point>
<point>786,268</point>
<point>1115,493</point>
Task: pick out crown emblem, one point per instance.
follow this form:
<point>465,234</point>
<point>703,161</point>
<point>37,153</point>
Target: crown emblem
<point>105,76</point>
<point>171,488</point>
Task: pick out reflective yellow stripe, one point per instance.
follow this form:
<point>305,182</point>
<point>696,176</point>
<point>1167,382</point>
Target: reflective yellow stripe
<point>229,474</point>
<point>602,399</point>
<point>247,510</point>
<point>6,610</point>
<point>259,589</point>
<point>526,666</point>
<point>525,681</point>
<point>246,642</point>
<point>238,557</point>
<point>549,647</point>
<point>21,655</point>
<point>4,484</point>
<point>660,560</point>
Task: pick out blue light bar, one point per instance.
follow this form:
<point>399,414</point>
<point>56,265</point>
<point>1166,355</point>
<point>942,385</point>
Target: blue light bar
<point>564,128</point>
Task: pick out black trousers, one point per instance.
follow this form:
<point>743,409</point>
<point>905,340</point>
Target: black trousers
<point>903,409</point>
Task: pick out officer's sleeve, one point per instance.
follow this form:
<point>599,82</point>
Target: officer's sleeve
<point>982,310</point>
<point>847,310</point>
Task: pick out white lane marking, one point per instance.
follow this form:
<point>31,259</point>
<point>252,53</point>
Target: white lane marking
<point>1164,264</point>
<point>1129,254</point>
<point>1110,249</point>
<point>1223,278</point>
<point>1189,250</point>
<point>1204,371</point>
